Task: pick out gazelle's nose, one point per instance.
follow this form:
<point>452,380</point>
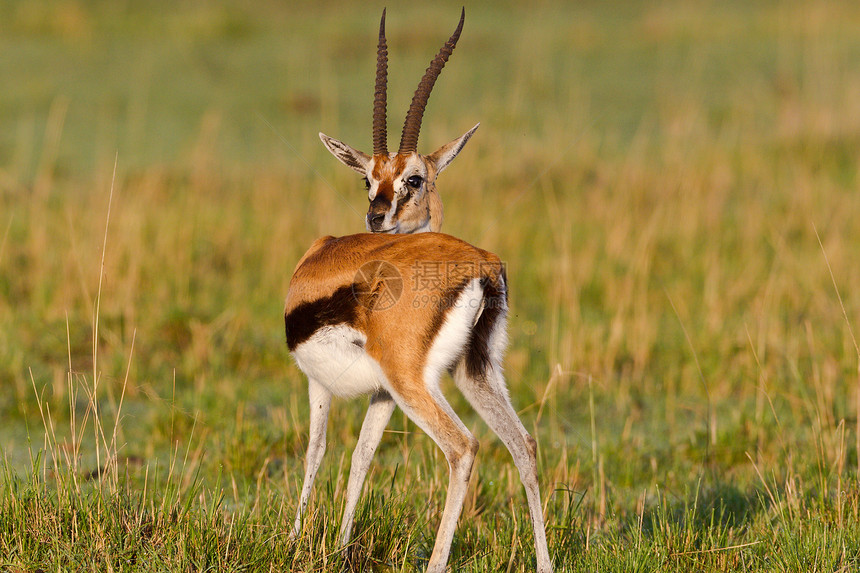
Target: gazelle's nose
<point>379,207</point>
<point>375,221</point>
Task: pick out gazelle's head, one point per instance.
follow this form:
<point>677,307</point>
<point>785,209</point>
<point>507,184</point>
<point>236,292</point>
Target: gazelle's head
<point>402,186</point>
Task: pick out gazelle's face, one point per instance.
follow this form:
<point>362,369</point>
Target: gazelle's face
<point>399,187</point>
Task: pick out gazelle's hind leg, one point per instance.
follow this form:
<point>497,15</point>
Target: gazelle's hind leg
<point>487,393</point>
<point>378,414</point>
<point>320,399</point>
<point>428,409</point>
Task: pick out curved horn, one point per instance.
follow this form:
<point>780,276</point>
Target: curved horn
<point>412,125</point>
<point>380,132</point>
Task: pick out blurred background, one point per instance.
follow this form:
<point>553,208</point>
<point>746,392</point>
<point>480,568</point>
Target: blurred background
<point>673,186</point>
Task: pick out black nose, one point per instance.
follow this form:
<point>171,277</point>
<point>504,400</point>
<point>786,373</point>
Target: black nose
<point>376,220</point>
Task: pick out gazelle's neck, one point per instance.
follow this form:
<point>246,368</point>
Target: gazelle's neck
<point>435,209</point>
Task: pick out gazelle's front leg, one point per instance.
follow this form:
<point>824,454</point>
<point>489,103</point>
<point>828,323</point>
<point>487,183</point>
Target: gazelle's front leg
<point>378,414</point>
<point>320,399</point>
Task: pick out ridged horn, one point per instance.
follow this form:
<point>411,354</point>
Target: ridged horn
<point>380,130</point>
<point>412,125</point>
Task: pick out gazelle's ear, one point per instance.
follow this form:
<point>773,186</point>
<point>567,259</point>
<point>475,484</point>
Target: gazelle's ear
<point>352,158</point>
<point>446,154</point>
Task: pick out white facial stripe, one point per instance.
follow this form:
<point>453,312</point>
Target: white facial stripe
<point>374,185</point>
<point>389,216</point>
<point>414,167</point>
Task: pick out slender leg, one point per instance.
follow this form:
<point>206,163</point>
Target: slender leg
<point>320,399</point>
<point>489,396</point>
<point>432,413</point>
<point>378,415</point>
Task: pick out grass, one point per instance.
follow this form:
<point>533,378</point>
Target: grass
<point>672,187</point>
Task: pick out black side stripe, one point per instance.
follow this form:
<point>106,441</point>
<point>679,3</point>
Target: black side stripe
<point>339,308</point>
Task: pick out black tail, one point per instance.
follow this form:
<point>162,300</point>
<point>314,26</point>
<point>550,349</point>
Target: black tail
<point>478,353</point>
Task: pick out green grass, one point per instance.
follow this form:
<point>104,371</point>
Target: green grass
<point>673,187</point>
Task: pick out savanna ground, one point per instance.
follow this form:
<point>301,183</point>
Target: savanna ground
<point>672,185</point>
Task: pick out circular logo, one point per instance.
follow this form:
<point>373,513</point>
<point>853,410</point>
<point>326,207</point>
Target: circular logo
<point>377,285</point>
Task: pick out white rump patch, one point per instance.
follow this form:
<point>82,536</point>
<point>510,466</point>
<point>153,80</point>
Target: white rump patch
<point>450,341</point>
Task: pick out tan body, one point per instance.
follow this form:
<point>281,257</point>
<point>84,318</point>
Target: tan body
<point>390,302</point>
<point>412,257</point>
<point>352,336</point>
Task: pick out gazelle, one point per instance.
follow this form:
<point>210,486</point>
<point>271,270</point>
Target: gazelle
<point>388,314</point>
<point>401,186</point>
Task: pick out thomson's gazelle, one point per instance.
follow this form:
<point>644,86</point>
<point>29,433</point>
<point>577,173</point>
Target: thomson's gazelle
<point>388,314</point>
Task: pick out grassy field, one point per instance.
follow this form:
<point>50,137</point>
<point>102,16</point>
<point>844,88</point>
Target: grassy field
<point>673,187</point>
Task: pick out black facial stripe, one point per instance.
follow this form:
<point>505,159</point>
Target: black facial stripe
<point>400,204</point>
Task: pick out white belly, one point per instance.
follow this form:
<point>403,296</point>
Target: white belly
<point>334,356</point>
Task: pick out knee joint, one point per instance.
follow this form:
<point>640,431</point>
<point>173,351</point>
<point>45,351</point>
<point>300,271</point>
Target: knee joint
<point>531,446</point>
<point>473,447</point>
<point>465,458</point>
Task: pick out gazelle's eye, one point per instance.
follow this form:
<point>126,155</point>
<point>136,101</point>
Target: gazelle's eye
<point>367,183</point>
<point>415,181</point>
